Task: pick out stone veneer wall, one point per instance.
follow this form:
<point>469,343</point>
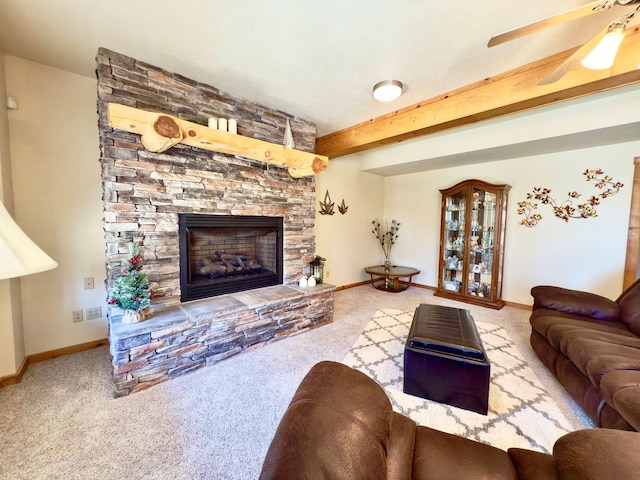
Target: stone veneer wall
<point>145,191</point>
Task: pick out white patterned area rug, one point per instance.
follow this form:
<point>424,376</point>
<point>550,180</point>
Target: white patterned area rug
<point>520,412</point>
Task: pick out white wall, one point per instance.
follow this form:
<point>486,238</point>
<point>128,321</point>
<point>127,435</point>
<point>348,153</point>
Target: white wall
<point>57,192</point>
<point>584,253</point>
<point>345,240</point>
<point>11,333</point>
<point>587,254</point>
<point>58,200</point>
<point>606,118</point>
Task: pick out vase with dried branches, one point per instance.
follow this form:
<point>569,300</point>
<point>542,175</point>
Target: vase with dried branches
<point>386,234</point>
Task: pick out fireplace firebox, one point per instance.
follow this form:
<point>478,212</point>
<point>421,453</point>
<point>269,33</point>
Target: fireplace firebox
<point>228,253</point>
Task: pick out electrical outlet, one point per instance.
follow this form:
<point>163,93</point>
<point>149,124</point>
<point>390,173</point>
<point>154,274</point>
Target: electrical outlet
<point>77,316</point>
<point>93,313</point>
<point>88,283</point>
<point>327,274</point>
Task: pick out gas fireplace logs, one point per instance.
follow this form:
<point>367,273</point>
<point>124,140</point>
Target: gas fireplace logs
<point>227,264</point>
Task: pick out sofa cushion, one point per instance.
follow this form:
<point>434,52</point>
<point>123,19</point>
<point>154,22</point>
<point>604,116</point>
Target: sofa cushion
<point>618,380</point>
<point>569,333</point>
<point>627,402</point>
<point>542,325</point>
<point>630,308</point>
<point>595,359</point>
<point>401,445</point>
<point>472,461</point>
<point>532,465</point>
<point>574,302</point>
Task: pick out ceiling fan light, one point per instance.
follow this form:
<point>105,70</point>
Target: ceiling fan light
<point>387,90</point>
<point>604,54</point>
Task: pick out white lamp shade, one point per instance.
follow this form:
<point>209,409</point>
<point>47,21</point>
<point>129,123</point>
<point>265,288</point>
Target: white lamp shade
<point>604,54</point>
<point>18,254</point>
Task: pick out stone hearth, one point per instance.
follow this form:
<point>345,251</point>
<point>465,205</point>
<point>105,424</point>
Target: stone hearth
<point>203,332</point>
<point>143,193</point>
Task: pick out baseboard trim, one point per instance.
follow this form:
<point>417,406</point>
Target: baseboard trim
<point>429,287</point>
<point>426,287</point>
<point>353,285</point>
<point>17,377</point>
<point>519,305</point>
<point>42,356</point>
<point>59,352</point>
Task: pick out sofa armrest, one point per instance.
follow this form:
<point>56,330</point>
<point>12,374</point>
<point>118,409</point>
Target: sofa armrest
<point>598,454</point>
<point>575,302</point>
<point>336,426</point>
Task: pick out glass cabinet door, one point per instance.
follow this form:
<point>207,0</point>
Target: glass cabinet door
<point>483,212</point>
<point>472,242</point>
<point>454,242</point>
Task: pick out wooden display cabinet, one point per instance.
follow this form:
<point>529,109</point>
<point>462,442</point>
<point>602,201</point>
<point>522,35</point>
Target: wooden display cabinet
<point>472,243</point>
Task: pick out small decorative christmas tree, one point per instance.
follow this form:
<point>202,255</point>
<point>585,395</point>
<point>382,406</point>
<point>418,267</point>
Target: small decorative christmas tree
<point>131,291</point>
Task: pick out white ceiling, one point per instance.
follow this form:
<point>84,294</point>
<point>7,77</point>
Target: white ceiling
<point>314,59</point>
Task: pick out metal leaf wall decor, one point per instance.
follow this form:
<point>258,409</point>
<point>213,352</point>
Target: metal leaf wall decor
<point>326,207</point>
<point>566,209</point>
<point>342,208</point>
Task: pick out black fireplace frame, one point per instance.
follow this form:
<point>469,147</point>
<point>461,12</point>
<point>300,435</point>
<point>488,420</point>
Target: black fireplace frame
<point>187,221</point>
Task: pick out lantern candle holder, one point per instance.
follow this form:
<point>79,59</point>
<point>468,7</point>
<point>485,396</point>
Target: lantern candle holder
<point>317,268</point>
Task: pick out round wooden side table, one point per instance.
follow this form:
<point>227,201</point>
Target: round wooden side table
<point>388,279</point>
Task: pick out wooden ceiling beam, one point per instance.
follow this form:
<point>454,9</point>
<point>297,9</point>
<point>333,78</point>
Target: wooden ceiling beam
<point>510,92</point>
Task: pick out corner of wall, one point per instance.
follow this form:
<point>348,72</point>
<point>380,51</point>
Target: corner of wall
<point>12,350</point>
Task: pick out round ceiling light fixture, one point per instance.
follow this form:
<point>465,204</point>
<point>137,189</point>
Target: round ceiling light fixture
<point>387,90</point>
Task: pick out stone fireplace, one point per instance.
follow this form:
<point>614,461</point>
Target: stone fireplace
<point>148,195</point>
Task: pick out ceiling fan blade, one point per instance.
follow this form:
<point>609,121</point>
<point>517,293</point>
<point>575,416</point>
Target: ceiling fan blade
<point>576,57</point>
<point>579,12</point>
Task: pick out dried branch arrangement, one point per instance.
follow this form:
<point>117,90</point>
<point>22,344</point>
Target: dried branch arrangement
<point>386,234</point>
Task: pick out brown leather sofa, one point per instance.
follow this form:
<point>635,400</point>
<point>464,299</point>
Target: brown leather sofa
<point>340,425</point>
<point>592,345</point>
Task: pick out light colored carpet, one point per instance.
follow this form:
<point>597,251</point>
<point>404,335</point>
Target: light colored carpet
<point>521,414</point>
<point>62,422</point>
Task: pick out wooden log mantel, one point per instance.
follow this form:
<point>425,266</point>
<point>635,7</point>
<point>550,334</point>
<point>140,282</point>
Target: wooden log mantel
<point>160,132</point>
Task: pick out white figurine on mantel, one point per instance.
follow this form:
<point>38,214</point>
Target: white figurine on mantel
<point>233,126</point>
<point>311,282</point>
<point>303,282</point>
<point>288,136</point>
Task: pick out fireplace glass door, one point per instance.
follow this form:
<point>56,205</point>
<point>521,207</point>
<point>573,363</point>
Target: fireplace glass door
<point>225,254</point>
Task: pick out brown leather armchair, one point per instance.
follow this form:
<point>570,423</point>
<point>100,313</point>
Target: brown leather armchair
<point>340,425</point>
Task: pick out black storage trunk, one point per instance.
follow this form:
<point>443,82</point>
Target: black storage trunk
<point>444,359</point>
